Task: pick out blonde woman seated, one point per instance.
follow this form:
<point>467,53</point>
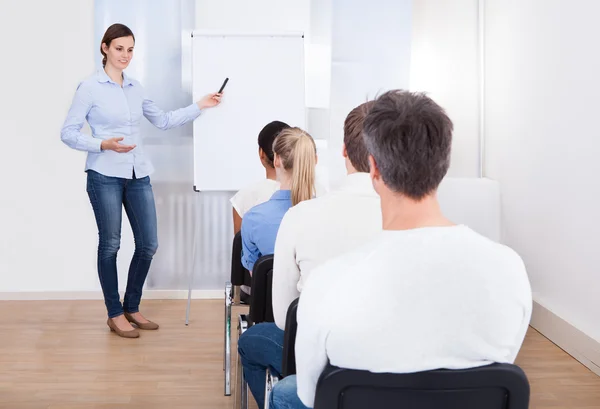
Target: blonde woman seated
<point>262,190</point>
<point>294,158</point>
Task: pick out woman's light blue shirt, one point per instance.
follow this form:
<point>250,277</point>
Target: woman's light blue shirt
<point>115,111</point>
<point>260,226</point>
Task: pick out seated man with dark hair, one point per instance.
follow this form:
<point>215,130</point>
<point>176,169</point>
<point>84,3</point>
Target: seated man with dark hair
<point>310,233</point>
<point>425,293</point>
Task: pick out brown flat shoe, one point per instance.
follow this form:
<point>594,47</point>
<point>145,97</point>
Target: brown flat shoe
<point>148,325</point>
<point>134,333</point>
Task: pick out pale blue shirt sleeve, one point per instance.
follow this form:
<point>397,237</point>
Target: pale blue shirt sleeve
<point>250,252</point>
<point>71,133</point>
<point>167,120</point>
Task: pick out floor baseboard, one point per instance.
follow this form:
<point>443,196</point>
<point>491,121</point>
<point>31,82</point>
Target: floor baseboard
<point>569,338</point>
<point>97,295</point>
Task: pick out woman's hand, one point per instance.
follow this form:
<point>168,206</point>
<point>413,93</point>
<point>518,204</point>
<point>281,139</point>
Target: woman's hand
<point>113,144</point>
<point>210,100</point>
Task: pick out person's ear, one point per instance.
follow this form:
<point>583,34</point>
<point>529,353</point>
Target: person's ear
<point>105,48</point>
<point>374,170</point>
<point>344,151</point>
<point>376,180</point>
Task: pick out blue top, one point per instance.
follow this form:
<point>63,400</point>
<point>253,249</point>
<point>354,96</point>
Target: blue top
<point>260,225</point>
<point>114,111</point>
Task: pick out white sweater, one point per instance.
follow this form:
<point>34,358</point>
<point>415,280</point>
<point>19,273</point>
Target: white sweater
<point>410,301</point>
<point>317,230</point>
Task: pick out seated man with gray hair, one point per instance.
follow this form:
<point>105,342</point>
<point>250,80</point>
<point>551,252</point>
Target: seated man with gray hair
<point>425,293</point>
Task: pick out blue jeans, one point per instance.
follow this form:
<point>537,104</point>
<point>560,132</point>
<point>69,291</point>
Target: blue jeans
<point>108,195</point>
<point>285,395</point>
<point>260,347</point>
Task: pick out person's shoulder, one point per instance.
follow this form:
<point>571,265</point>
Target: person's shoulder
<point>305,214</point>
<point>257,188</point>
<point>257,192</point>
<point>308,207</point>
<point>505,268</point>
<point>297,218</point>
<point>485,243</point>
<point>496,254</point>
<point>258,212</point>
<point>334,201</point>
<point>320,203</point>
<point>251,215</point>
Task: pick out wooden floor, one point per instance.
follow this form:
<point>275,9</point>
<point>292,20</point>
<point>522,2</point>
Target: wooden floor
<point>60,354</point>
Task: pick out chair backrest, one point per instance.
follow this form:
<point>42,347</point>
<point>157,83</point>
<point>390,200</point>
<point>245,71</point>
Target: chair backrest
<point>261,304</point>
<point>288,363</point>
<point>497,386</point>
<point>239,274</point>
<point>237,269</point>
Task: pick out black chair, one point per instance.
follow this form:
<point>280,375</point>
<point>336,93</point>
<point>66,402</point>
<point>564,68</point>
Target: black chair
<point>261,310</point>
<point>239,276</point>
<point>288,359</point>
<point>261,300</point>
<point>288,363</point>
<point>497,386</point>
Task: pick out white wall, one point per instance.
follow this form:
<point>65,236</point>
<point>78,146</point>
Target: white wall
<point>47,239</point>
<point>370,53</point>
<point>444,63</point>
<point>257,15</point>
<point>543,145</point>
<point>313,17</point>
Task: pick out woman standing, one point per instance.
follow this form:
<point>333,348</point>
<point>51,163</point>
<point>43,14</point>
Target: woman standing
<point>118,170</point>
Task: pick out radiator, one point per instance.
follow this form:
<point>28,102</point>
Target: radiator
<point>195,232</point>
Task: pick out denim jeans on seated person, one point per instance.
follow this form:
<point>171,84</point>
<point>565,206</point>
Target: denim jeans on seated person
<point>285,395</point>
<point>260,347</point>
